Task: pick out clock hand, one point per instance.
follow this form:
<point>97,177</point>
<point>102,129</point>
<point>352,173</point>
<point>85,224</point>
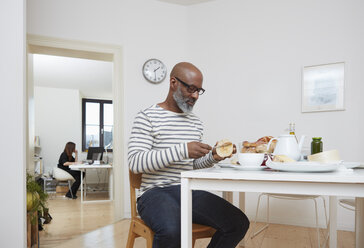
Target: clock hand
<point>157,69</point>
<point>155,75</point>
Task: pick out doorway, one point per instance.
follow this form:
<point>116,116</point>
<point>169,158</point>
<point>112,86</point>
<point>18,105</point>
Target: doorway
<point>92,51</point>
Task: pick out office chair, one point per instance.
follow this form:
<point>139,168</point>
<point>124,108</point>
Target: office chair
<point>62,175</point>
<point>139,229</point>
<point>291,197</point>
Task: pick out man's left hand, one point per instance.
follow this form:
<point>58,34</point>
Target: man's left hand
<point>218,158</point>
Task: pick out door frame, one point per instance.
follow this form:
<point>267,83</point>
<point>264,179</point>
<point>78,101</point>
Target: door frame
<point>88,50</point>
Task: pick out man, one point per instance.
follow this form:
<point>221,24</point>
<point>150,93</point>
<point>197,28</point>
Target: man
<point>166,140</point>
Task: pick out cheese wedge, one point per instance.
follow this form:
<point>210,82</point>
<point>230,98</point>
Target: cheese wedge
<point>325,157</point>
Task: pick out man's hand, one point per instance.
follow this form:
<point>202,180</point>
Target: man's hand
<point>197,149</point>
<point>218,158</point>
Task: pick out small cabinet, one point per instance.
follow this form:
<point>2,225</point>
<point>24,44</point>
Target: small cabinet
<point>49,184</point>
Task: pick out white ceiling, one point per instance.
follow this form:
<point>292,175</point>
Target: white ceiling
<point>186,2</point>
<point>92,77</point>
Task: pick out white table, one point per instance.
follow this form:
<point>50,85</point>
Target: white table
<point>84,167</point>
<point>333,184</point>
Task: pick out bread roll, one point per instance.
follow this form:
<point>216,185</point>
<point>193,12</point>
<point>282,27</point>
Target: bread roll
<point>262,148</point>
<point>259,146</point>
<point>248,150</point>
<point>224,148</point>
<point>264,140</point>
<point>249,144</point>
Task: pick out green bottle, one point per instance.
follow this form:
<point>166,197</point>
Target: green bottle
<point>316,145</point>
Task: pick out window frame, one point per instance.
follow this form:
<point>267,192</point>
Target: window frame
<point>101,118</point>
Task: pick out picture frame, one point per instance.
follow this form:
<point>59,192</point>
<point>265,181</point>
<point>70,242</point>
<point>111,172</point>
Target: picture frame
<point>323,87</point>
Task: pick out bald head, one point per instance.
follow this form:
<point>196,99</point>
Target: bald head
<point>183,77</point>
<point>186,71</point>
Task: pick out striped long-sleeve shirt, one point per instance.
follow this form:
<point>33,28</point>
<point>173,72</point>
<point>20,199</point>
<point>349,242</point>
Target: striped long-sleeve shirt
<point>158,146</point>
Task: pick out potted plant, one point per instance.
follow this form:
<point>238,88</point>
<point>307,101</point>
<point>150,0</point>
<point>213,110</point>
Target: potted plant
<point>36,198</point>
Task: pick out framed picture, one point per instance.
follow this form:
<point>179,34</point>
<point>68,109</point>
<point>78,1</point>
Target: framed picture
<point>323,87</point>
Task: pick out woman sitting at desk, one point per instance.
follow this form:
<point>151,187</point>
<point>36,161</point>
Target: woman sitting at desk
<point>65,160</point>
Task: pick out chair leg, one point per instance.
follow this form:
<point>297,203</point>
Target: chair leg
<point>150,242</point>
<point>268,200</point>
<point>317,226</point>
<point>193,242</point>
<point>131,237</point>
<point>327,222</point>
<point>256,215</point>
<point>69,187</point>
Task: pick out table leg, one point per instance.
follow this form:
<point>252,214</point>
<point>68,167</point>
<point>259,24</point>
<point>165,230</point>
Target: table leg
<point>228,196</point>
<point>84,184</point>
<point>359,222</point>
<point>81,186</point>
<point>333,222</point>
<point>242,208</point>
<point>186,214</point>
<point>111,185</point>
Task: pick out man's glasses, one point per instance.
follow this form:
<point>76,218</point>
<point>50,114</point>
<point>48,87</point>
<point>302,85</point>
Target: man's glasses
<point>191,88</point>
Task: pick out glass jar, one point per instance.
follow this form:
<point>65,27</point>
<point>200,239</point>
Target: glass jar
<point>316,145</point>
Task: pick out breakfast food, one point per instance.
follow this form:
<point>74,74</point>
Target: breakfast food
<point>325,157</point>
<point>224,148</point>
<point>259,146</point>
<point>282,159</point>
<point>248,150</point>
<point>262,148</point>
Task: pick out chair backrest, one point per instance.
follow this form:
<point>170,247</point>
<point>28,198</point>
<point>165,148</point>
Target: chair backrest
<point>348,204</point>
<point>135,181</point>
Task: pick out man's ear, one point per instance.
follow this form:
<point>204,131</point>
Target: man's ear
<point>173,84</point>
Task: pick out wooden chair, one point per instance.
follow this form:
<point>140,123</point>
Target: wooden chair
<point>139,229</point>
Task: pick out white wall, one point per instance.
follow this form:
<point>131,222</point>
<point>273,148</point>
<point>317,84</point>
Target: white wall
<point>252,54</point>
<point>144,29</point>
<point>58,119</point>
<point>12,124</point>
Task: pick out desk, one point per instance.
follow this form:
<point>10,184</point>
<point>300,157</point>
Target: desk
<point>84,167</point>
<point>332,184</point>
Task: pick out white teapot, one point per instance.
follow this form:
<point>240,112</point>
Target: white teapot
<point>287,145</point>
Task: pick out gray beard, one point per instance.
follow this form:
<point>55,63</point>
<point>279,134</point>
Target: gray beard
<point>182,101</point>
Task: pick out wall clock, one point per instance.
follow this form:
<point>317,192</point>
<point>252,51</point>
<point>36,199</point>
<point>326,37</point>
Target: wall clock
<point>154,71</point>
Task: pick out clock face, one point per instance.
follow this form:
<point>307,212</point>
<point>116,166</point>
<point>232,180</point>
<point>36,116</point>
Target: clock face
<point>154,71</point>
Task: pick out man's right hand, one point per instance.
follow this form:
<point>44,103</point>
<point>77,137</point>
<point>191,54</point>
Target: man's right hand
<point>197,149</point>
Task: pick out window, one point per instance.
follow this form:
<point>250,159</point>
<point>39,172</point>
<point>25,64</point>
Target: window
<point>97,123</point>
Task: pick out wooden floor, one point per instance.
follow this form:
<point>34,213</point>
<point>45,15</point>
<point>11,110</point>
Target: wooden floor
<point>72,219</point>
<point>76,225</point>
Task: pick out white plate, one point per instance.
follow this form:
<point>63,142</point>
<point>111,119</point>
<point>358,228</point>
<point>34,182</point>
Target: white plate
<point>351,165</point>
<point>240,167</point>
<point>303,166</point>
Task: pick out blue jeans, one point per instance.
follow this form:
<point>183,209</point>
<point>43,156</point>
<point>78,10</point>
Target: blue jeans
<point>160,209</point>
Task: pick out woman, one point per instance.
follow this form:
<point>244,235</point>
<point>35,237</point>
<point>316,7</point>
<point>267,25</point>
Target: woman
<point>65,160</point>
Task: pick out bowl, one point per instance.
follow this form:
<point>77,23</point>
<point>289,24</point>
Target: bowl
<point>325,157</point>
<point>251,159</point>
